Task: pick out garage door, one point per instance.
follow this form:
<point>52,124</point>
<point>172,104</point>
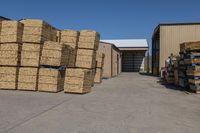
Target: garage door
<point>131,62</point>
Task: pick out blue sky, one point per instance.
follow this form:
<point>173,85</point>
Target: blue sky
<point>114,19</point>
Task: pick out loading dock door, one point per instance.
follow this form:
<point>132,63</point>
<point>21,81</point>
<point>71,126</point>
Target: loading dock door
<point>131,62</point>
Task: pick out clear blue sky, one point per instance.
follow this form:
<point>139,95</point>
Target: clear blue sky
<point>114,19</point>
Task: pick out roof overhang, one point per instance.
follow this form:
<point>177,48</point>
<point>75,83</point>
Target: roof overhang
<point>133,49</point>
<point>128,43</point>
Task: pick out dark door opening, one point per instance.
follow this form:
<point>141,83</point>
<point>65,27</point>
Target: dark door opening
<point>131,61</point>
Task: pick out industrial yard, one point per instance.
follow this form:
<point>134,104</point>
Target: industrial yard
<point>117,105</point>
<point>100,66</point>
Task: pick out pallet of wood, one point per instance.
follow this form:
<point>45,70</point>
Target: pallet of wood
<point>190,46</point>
<point>8,78</point>
<point>86,58</point>
<point>51,80</point>
<point>70,38</point>
<point>192,61</point>
<point>30,54</point>
<point>28,79</point>
<point>99,67</point>
<point>89,39</point>
<point>78,81</point>
<point>38,31</point>
<point>54,54</point>
<point>10,54</point>
<point>11,31</point>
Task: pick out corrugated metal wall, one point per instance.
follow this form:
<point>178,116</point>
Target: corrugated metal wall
<point>106,49</point>
<point>172,35</point>
<point>115,62</point>
<point>112,62</point>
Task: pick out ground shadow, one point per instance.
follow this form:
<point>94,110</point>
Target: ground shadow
<point>172,86</point>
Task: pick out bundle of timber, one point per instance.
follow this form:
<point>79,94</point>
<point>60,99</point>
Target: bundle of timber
<point>30,54</point>
<point>87,47</point>
<point>191,54</point>
<point>176,70</point>
<point>11,31</point>
<point>70,37</point>
<point>51,80</point>
<point>89,40</point>
<point>8,78</point>
<point>55,54</point>
<point>35,56</point>
<point>10,50</point>
<point>85,63</point>
<point>99,67</point>
<point>28,78</point>
<point>38,31</point>
<point>78,81</point>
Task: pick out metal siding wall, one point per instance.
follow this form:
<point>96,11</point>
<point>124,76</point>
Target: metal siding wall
<point>114,62</point>
<point>172,36</point>
<point>106,49</point>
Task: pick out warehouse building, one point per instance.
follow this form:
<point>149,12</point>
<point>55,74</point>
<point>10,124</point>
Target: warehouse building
<point>112,59</point>
<point>130,54</point>
<point>166,39</point>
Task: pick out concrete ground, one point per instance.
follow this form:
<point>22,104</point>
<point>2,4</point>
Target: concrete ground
<point>129,103</point>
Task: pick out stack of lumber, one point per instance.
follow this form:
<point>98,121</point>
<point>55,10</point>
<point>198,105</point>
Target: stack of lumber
<point>35,56</point>
<point>27,79</point>
<point>54,54</point>
<point>183,79</point>
<point>10,48</point>
<point>35,33</point>
<point>70,38</point>
<point>51,79</point>
<point>99,67</point>
<point>176,71</point>
<point>77,81</point>
<point>8,78</point>
<point>192,61</point>
<point>38,31</point>
<point>54,60</point>
<point>85,61</point>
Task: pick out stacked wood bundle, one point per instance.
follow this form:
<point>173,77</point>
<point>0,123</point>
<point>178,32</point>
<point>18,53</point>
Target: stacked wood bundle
<point>183,79</point>
<point>11,31</point>
<point>176,71</point>
<point>99,67</point>
<point>27,79</point>
<point>54,54</point>
<point>34,56</point>
<point>191,52</point>
<point>51,80</point>
<point>30,55</point>
<point>85,61</point>
<point>70,38</point>
<point>77,81</point>
<point>10,50</point>
<point>8,78</point>
<point>54,60</point>
<point>38,31</point>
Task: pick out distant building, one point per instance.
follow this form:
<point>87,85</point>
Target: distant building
<point>131,54</point>
<point>166,39</point>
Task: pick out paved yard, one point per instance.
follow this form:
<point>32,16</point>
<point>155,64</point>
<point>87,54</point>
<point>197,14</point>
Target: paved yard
<point>129,103</point>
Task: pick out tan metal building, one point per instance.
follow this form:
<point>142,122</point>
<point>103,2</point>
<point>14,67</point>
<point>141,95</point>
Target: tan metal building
<point>166,39</point>
<point>132,53</point>
<point>112,59</point>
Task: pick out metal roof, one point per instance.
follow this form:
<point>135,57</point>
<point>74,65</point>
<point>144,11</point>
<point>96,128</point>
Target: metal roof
<point>128,43</point>
<point>171,24</point>
<point>4,18</point>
